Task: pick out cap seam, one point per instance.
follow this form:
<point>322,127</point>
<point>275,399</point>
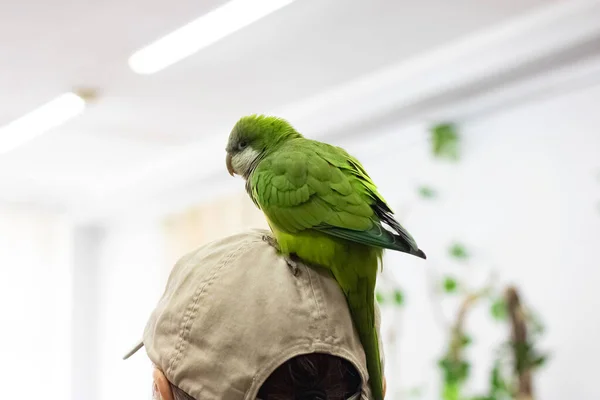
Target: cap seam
<point>192,308</point>
<point>312,288</point>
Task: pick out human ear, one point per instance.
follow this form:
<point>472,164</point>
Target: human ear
<point>162,385</point>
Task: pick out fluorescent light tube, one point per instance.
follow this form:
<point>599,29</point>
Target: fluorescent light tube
<point>40,120</point>
<point>201,33</point>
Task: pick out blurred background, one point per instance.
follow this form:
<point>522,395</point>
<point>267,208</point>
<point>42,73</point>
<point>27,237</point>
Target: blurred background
<point>478,120</point>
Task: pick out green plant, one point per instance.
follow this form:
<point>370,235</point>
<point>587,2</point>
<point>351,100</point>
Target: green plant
<point>445,141</point>
<point>517,357</point>
<point>395,297</point>
<point>427,192</point>
<point>450,284</point>
<point>458,251</point>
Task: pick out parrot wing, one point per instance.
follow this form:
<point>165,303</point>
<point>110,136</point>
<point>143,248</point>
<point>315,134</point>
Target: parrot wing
<point>312,185</point>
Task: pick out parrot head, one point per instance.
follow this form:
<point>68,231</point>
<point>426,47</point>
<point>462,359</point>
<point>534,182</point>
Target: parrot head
<point>252,138</point>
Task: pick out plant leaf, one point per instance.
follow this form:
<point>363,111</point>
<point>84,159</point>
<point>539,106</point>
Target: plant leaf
<point>535,324</point>
<point>539,361</point>
<point>398,297</point>
<point>451,391</point>
<point>465,340</point>
<point>445,141</point>
<point>427,192</point>
<point>458,251</point>
<point>498,310</point>
<point>450,284</point>
<point>497,381</point>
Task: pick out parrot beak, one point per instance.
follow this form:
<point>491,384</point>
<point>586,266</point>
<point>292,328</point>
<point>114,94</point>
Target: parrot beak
<point>229,165</point>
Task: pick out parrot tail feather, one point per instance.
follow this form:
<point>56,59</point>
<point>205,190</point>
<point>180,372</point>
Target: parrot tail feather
<point>361,304</point>
<point>421,254</point>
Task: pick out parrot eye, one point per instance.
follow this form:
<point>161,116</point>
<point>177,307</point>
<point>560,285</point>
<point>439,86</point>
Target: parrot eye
<point>242,145</point>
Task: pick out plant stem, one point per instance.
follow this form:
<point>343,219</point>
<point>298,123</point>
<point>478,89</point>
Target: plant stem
<point>519,337</point>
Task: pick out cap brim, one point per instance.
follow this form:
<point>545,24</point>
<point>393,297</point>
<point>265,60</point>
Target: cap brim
<point>134,350</point>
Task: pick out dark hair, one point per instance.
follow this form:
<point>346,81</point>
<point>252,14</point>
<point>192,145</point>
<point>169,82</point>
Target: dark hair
<point>314,376</point>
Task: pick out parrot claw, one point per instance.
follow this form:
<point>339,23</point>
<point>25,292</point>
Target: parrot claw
<point>288,259</point>
<point>293,265</point>
<point>271,241</point>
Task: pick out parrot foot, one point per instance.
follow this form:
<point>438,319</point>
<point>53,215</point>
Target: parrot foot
<point>271,241</point>
<point>292,264</point>
<point>289,259</point>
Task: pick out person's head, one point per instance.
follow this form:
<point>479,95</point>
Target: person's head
<point>235,323</point>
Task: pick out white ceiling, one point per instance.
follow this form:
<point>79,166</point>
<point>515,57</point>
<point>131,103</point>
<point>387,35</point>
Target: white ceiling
<point>307,48</point>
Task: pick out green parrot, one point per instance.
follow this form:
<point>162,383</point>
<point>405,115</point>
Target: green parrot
<point>324,209</point>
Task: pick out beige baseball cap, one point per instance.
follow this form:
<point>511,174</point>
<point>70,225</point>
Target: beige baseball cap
<point>233,311</point>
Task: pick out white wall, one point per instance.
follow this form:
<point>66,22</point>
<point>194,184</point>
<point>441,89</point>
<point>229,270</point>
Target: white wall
<point>131,279</point>
<point>35,304</point>
<point>524,198</point>
<point>87,241</point>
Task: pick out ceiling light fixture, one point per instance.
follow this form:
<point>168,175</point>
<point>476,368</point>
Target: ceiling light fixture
<point>201,33</point>
<point>40,120</point>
